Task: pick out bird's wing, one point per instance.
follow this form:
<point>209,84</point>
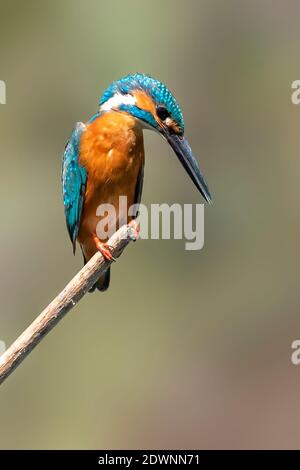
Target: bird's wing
<point>138,189</point>
<point>74,177</point>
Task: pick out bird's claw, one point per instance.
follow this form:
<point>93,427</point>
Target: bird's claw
<point>105,249</point>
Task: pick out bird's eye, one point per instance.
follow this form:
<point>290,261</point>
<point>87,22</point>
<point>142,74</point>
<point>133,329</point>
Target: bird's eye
<point>162,113</point>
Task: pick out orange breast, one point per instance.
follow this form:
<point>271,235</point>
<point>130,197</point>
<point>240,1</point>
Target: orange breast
<point>112,151</point>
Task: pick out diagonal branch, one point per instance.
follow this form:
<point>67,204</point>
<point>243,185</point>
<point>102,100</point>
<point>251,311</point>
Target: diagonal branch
<point>62,304</point>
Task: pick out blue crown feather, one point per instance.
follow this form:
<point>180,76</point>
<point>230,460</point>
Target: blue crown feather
<point>154,88</point>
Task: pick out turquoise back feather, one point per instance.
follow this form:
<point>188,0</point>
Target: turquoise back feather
<point>74,178</point>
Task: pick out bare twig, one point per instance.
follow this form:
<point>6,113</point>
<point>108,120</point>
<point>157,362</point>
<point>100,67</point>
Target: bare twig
<point>64,302</point>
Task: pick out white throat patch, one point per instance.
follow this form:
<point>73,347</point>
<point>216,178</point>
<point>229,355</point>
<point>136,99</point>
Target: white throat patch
<point>117,100</point>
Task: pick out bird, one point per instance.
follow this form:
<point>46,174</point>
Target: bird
<point>104,158</point>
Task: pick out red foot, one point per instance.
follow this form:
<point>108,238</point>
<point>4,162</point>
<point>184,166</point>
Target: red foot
<point>135,229</point>
<point>104,248</point>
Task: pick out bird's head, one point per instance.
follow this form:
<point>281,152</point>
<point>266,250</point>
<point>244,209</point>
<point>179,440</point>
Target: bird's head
<point>153,105</point>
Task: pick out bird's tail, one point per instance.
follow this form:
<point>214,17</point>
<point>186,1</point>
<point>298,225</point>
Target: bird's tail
<point>103,282</point>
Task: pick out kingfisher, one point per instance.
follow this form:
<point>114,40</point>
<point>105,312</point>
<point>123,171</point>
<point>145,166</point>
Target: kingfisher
<point>104,158</point>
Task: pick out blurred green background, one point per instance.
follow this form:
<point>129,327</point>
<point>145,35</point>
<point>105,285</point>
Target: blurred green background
<point>186,349</point>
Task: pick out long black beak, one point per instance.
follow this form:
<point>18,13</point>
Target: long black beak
<point>184,152</point>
